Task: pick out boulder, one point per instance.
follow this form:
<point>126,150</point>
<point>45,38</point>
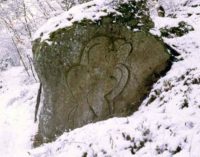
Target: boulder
<point>94,70</point>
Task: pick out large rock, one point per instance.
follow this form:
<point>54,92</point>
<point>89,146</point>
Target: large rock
<point>92,71</point>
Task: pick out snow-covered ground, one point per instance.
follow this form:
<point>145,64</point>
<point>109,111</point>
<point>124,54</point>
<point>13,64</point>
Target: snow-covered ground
<point>167,123</point>
<point>17,100</point>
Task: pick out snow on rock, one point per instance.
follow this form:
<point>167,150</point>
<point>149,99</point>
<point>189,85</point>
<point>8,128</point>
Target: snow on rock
<point>167,123</point>
<point>17,101</point>
<point>92,10</point>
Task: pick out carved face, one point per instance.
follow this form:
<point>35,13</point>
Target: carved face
<point>100,76</point>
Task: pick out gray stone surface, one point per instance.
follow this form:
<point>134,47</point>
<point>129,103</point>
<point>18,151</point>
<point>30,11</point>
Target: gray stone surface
<point>93,72</point>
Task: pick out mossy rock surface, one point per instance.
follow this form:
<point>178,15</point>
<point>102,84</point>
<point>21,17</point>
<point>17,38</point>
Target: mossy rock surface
<point>94,71</point>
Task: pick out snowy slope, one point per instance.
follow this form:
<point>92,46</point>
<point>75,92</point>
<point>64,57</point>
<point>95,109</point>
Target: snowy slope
<point>17,101</point>
<point>167,123</point>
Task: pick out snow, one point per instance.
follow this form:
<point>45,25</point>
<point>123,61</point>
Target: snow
<point>167,123</point>
<point>16,112</point>
<point>8,54</point>
<point>92,10</point>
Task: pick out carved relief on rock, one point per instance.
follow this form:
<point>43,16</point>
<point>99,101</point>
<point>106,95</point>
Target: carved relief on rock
<point>101,72</point>
<point>100,76</point>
